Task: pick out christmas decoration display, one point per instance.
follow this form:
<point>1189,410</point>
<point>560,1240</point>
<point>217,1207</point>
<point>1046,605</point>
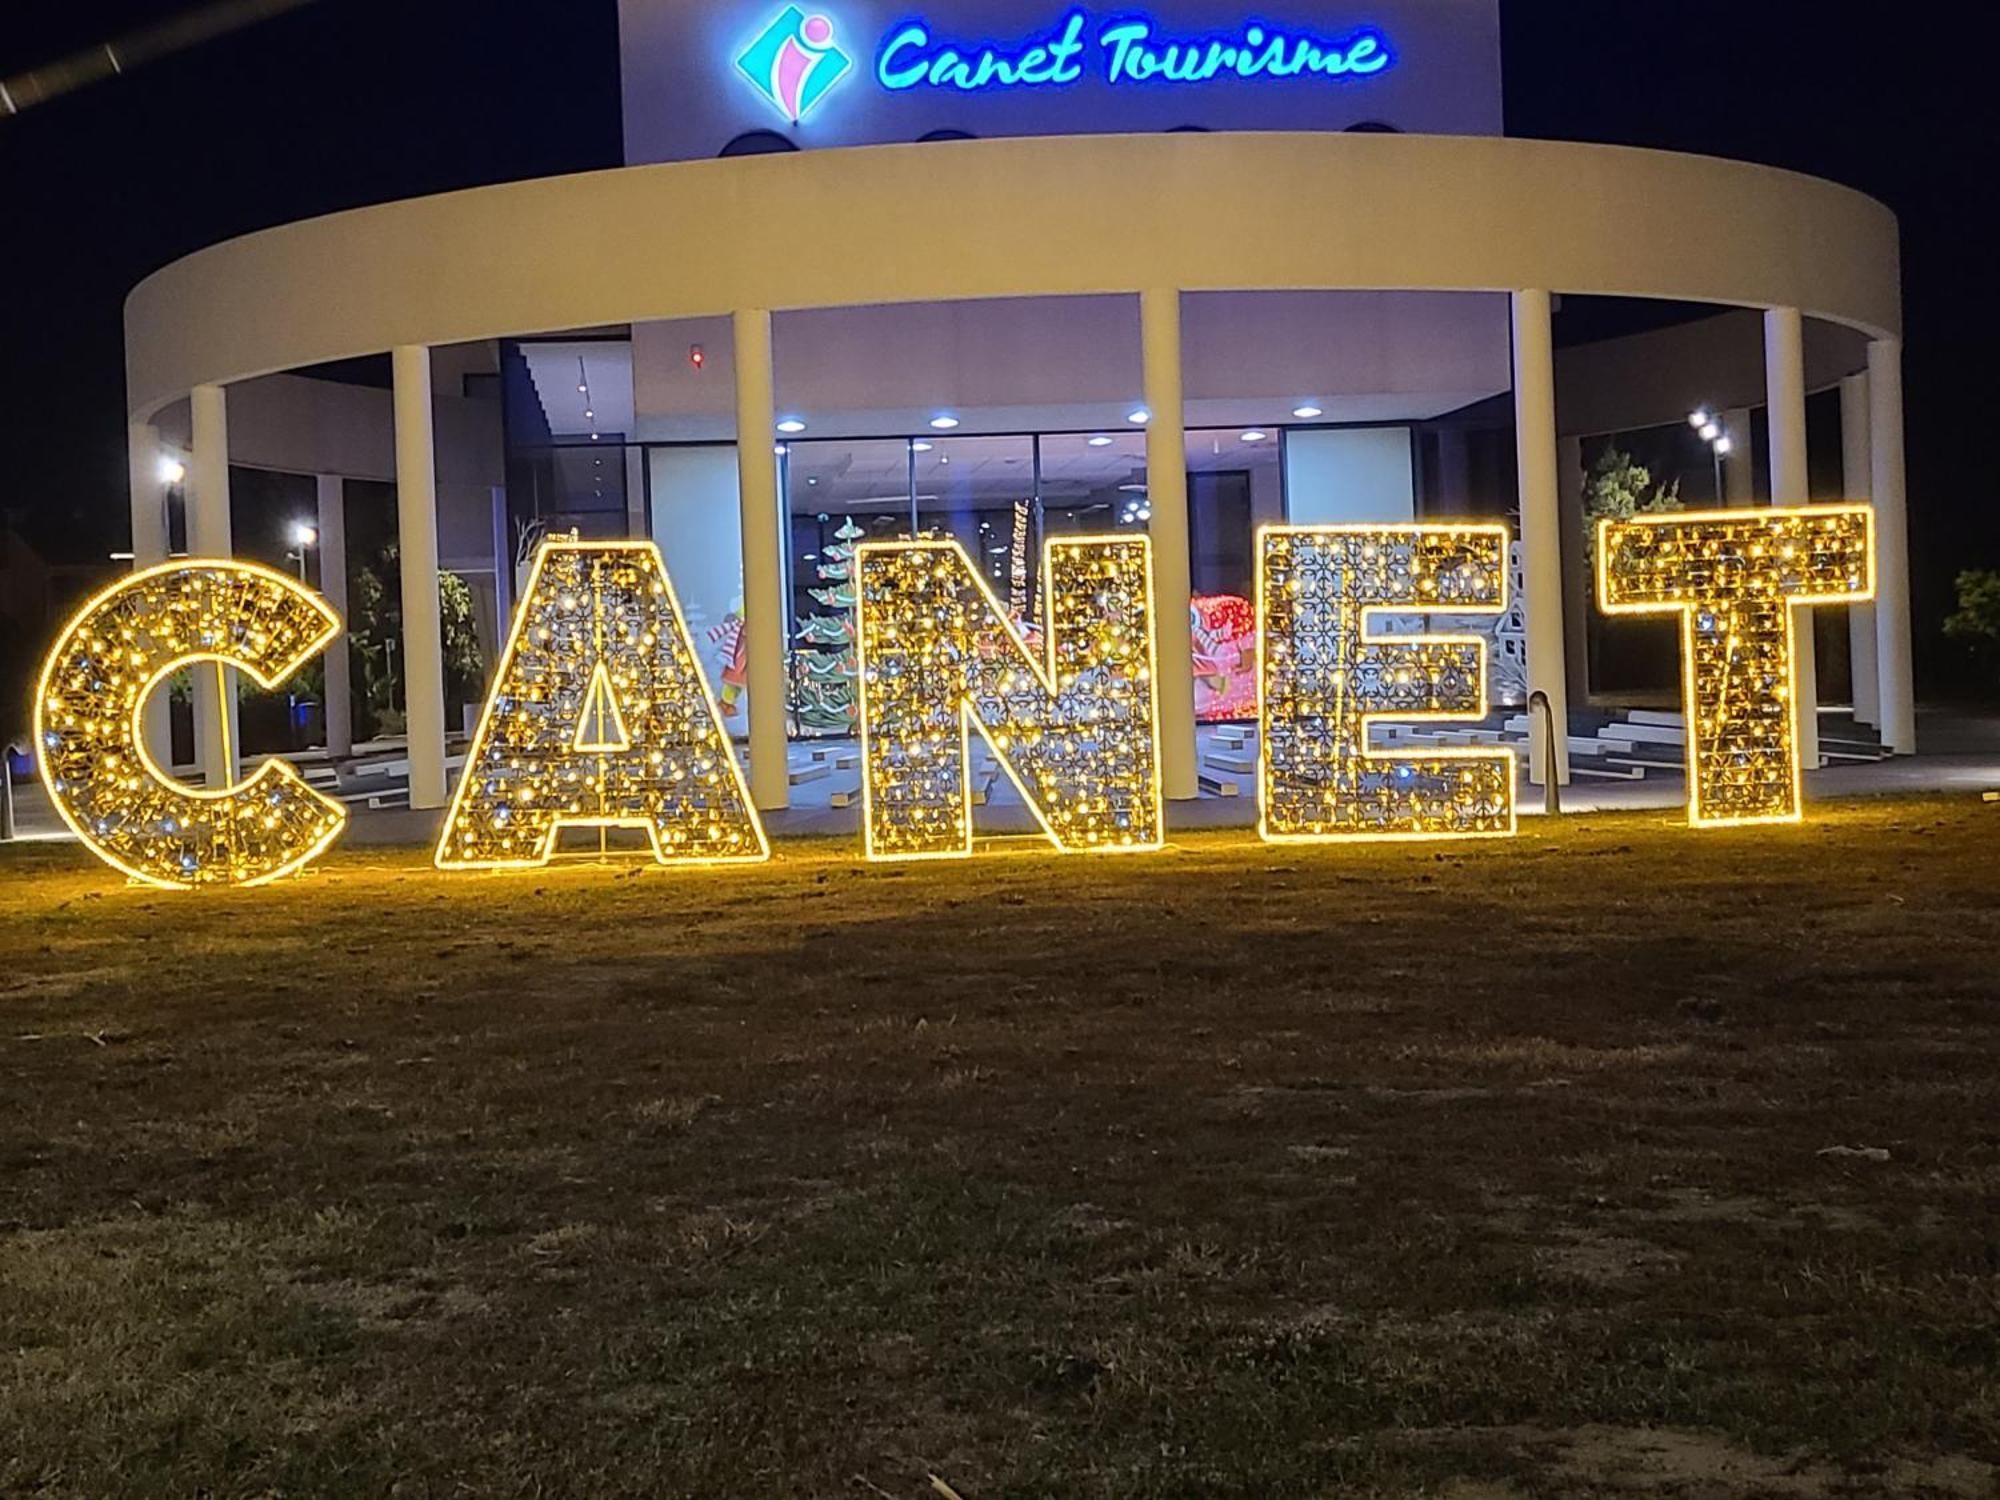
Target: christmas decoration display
<point>599,717</point>
<point>1735,577</point>
<point>1224,631</point>
<point>1327,672</point>
<point>1507,661</point>
<point>111,657</point>
<point>823,666</point>
<point>1077,733</point>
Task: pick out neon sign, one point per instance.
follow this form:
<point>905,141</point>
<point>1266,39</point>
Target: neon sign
<point>1126,49</point>
<point>793,62</point>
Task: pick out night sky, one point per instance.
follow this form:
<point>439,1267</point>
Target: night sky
<point>359,101</point>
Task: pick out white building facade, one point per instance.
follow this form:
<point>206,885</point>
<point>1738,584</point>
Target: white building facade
<point>1002,271</point>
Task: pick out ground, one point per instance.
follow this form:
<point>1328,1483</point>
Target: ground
<point>1616,1159</point>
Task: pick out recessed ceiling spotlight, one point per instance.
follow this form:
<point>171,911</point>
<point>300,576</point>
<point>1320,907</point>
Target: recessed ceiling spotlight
<point>1100,441</point>
<point>791,424</point>
<point>1307,412</point>
<point>1138,416</point>
<point>1254,435</point>
<point>943,422</point>
<point>920,446</point>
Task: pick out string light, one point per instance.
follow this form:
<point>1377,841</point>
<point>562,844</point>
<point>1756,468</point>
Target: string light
<point>1735,577</point>
<point>1325,675</point>
<point>939,658</point>
<point>599,717</point>
<point>114,653</point>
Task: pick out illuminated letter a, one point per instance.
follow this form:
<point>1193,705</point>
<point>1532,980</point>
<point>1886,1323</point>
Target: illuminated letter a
<point>599,717</point>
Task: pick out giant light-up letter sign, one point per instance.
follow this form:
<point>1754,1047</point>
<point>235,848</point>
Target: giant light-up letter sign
<point>1324,676</point>
<point>939,658</point>
<point>91,749</point>
<point>1734,577</point>
<point>599,717</point>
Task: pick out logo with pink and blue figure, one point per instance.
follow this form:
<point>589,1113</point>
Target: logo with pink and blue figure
<point>793,62</point>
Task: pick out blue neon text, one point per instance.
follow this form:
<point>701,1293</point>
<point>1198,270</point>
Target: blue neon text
<point>1130,53</point>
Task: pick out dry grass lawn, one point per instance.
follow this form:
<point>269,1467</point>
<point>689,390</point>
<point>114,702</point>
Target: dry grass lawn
<point>1614,1160</point>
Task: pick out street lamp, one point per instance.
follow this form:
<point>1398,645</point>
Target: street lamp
<point>1712,432</point>
<point>303,536</point>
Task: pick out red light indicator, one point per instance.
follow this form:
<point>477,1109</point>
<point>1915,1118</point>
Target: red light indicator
<point>696,357</point>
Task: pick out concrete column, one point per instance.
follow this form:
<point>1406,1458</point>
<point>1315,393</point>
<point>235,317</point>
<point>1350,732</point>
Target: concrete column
<point>1541,522</point>
<point>1892,546</point>
<point>763,561</point>
<point>215,719</point>
<point>416,538</point>
<point>1856,483</point>
<point>1785,407</point>
<point>1739,464</point>
<point>1166,493</point>
<point>332,523</point>
<point>1579,589</point>
<point>144,455</point>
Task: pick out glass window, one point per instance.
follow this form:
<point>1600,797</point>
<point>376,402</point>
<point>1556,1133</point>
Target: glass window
<point>837,493</point>
<point>1235,485</point>
<point>980,491</point>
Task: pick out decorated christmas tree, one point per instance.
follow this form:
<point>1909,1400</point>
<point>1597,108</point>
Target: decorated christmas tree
<point>823,665</point>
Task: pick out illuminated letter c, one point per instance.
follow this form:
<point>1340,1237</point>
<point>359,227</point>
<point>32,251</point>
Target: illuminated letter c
<point>92,754</point>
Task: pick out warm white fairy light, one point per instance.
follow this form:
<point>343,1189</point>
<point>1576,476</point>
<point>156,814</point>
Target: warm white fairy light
<point>114,654</point>
<point>1325,676</point>
<point>1735,577</point>
<point>1077,732</point>
<point>599,717</point>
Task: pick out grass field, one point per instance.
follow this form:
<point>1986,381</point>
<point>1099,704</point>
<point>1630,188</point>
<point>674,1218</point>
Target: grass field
<point>1612,1160</point>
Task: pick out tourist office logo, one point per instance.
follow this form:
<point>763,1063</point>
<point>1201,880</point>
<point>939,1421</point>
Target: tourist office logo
<point>600,716</point>
<point>794,62</point>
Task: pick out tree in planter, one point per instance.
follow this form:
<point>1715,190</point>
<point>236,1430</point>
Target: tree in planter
<point>1617,489</point>
<point>1976,621</point>
<point>375,636</point>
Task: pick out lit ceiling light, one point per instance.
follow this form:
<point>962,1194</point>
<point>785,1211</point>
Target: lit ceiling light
<point>1254,435</point>
<point>791,424</point>
<point>589,415</point>
<point>172,471</point>
<point>920,446</point>
<point>943,422</point>
<point>1099,441</point>
<point>1307,412</point>
<point>779,449</point>
<point>1138,416</point>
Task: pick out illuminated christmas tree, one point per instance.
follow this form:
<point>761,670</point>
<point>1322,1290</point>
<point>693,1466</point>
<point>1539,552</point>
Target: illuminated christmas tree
<point>824,667</point>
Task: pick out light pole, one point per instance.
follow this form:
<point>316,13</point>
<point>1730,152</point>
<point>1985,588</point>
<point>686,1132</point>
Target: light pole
<point>1712,432</point>
<point>304,536</point>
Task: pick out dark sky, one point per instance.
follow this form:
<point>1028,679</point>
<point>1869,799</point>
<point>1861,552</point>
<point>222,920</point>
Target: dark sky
<point>358,101</point>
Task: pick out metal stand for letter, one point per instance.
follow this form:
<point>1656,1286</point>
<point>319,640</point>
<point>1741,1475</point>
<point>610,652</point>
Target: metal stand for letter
<point>1542,722</point>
